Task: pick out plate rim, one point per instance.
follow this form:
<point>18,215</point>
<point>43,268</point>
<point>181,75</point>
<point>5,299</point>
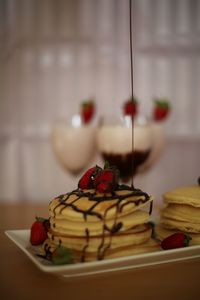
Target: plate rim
<point>108,265</point>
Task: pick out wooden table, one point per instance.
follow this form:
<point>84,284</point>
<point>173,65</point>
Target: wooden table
<point>21,279</point>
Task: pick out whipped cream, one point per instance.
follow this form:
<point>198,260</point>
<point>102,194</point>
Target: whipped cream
<point>74,146</point>
<point>118,139</point>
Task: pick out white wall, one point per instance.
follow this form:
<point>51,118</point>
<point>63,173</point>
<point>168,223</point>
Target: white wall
<point>54,54</point>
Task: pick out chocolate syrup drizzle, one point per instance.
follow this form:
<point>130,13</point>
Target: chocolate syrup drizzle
<point>63,202</point>
<point>132,94</point>
<point>92,196</point>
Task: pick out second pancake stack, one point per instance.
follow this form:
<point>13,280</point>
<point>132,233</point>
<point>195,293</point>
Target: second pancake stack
<point>181,213</point>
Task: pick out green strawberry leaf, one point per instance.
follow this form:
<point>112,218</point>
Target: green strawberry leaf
<point>106,165</point>
<point>40,219</point>
<point>162,103</point>
<point>187,240</point>
<point>61,256</point>
<point>88,103</point>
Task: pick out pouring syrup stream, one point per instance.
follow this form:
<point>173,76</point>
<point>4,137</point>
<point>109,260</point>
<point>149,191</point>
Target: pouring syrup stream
<point>131,58</point>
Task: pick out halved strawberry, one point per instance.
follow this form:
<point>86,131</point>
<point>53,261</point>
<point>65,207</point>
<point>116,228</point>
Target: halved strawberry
<point>87,180</point>
<point>130,107</point>
<point>39,231</point>
<point>87,111</point>
<point>161,109</point>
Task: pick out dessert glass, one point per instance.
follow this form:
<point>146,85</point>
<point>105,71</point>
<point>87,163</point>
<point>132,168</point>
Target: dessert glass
<point>114,142</point>
<point>73,143</point>
<point>158,140</point>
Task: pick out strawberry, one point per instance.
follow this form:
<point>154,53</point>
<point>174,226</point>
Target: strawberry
<point>130,107</point>
<point>107,180</point>
<point>87,111</point>
<point>39,231</point>
<point>103,180</point>
<point>87,180</point>
<point>161,110</point>
<point>176,240</point>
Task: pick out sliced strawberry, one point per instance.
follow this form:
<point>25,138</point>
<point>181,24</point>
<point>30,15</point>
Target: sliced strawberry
<point>161,110</point>
<point>176,240</point>
<point>87,180</point>
<point>39,231</point>
<point>130,108</point>
<point>87,111</point>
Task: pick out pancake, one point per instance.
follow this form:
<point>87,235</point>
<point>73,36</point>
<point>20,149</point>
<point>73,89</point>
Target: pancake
<point>183,213</point>
<point>137,235</point>
<point>66,227</point>
<point>162,233</point>
<point>121,245</point>
<point>81,204</point>
<point>98,225</point>
<point>182,217</point>
<point>189,195</point>
<point>150,246</point>
<point>188,227</point>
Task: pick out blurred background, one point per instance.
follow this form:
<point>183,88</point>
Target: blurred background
<point>56,53</point>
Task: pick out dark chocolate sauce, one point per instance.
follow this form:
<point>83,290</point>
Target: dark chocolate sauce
<point>151,208</point>
<point>127,166</point>
<point>124,162</point>
<point>87,234</point>
<point>132,93</point>
<point>128,163</point>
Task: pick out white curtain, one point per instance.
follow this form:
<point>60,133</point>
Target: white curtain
<point>56,53</point>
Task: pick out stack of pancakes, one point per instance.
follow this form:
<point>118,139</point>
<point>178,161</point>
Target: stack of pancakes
<point>181,213</point>
<point>97,226</point>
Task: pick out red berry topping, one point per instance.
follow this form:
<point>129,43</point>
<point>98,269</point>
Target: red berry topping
<point>161,110</point>
<point>130,108</point>
<point>87,180</point>
<point>39,231</point>
<point>176,240</point>
<point>106,181</point>
<point>102,180</point>
<point>87,111</point>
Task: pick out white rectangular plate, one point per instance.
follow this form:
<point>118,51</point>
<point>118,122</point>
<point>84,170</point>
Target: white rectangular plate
<point>21,239</point>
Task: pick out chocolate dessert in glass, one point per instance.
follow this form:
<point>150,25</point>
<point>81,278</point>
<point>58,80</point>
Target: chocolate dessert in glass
<point>114,141</point>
